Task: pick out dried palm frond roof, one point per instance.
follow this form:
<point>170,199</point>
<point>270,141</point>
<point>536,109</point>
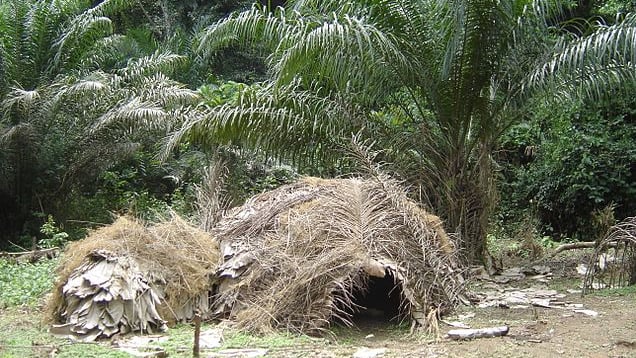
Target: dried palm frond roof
<point>613,263</point>
<point>131,277</point>
<point>294,257</point>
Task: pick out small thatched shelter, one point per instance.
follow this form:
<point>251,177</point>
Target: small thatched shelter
<point>130,277</point>
<point>321,251</point>
<point>613,263</point>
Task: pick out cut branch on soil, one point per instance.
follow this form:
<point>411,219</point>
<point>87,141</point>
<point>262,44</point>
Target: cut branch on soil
<point>574,246</point>
<point>461,334</point>
<point>33,255</point>
<point>571,246</point>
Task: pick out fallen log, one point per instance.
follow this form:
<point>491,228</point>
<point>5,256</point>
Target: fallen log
<point>33,255</point>
<point>24,253</point>
<point>574,246</point>
<point>571,246</point>
<point>461,334</point>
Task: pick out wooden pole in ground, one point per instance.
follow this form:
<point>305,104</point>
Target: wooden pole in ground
<point>197,333</point>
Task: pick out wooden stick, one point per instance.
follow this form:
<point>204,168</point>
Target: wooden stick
<point>197,333</point>
<point>26,253</point>
<point>477,333</point>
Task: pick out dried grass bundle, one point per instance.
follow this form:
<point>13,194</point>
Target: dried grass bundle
<point>294,257</point>
<point>144,274</point>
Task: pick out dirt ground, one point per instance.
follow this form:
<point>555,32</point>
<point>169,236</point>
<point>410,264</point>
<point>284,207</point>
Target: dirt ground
<point>544,332</point>
<point>533,331</point>
<point>553,332</point>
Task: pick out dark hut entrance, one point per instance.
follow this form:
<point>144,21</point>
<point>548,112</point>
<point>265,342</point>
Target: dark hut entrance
<point>379,303</point>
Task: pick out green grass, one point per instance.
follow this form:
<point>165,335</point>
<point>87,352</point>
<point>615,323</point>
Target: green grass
<point>180,341</point>
<point>346,336</point>
<point>239,339</point>
<point>25,283</point>
<point>564,283</point>
<point>24,334</point>
<point>621,291</point>
<point>22,330</point>
<point>89,351</point>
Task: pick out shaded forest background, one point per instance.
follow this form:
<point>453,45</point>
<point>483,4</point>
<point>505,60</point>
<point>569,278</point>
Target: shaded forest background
<point>112,107</point>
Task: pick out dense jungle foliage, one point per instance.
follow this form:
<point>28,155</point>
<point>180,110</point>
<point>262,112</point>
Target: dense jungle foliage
<point>498,115</point>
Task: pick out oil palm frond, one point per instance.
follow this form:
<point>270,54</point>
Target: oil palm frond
<point>159,61</point>
<point>605,57</point>
<point>461,65</point>
<point>20,100</point>
<point>146,114</point>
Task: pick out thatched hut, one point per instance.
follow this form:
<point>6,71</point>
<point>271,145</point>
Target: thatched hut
<point>300,258</point>
<point>321,251</point>
<point>129,277</point>
<point>613,263</point>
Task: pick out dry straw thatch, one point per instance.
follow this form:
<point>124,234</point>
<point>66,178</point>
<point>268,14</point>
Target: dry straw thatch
<point>130,277</point>
<point>613,263</point>
<point>296,257</point>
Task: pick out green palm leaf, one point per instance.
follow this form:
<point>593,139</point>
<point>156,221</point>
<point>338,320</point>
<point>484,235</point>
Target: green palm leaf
<point>591,64</point>
<point>437,82</point>
<point>81,33</point>
<point>159,61</point>
<point>286,122</point>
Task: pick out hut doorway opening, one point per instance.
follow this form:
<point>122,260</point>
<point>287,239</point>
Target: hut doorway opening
<point>379,303</point>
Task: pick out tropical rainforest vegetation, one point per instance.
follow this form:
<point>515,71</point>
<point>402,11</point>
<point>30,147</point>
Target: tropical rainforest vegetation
<point>498,116</point>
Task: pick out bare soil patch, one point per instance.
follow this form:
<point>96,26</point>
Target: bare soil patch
<point>534,331</point>
<point>550,332</point>
<point>558,331</point>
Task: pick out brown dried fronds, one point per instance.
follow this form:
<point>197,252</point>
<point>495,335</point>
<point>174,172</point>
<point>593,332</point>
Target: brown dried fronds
<point>294,257</point>
<point>175,256</point>
<point>432,326</point>
<point>603,220</point>
<point>114,238</point>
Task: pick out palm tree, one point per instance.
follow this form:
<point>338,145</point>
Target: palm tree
<point>435,83</point>
<point>68,83</point>
<point>34,51</point>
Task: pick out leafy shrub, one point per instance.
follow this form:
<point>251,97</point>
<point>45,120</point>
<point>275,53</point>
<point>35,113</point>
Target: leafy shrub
<point>25,283</point>
<point>139,187</point>
<point>569,162</point>
<point>216,94</point>
<point>53,235</point>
